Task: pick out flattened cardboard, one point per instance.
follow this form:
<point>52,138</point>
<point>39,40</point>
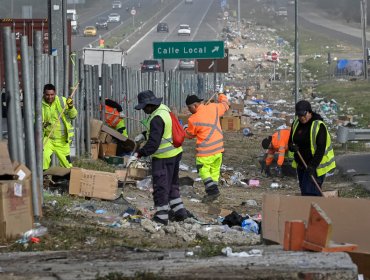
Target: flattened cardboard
<point>57,171</point>
<point>91,183</point>
<point>6,166</point>
<point>114,133</point>
<point>95,128</point>
<point>23,172</point>
<point>95,151</point>
<point>16,215</point>
<point>349,217</point>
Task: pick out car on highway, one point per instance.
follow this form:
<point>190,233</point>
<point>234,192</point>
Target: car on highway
<point>150,65</point>
<point>188,1</point>
<point>102,23</point>
<point>162,27</point>
<point>186,64</point>
<point>90,31</point>
<point>114,17</point>
<point>184,30</point>
<point>116,5</point>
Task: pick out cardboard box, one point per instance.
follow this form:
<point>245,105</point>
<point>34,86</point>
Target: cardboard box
<point>103,137</point>
<point>95,151</point>
<point>95,128</point>
<point>16,214</point>
<point>6,166</point>
<point>349,217</point>
<point>138,173</point>
<point>91,183</point>
<point>107,150</point>
<point>230,123</point>
<point>237,108</point>
<point>114,133</point>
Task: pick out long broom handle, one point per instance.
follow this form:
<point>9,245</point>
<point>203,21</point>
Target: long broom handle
<point>60,115</point>
<point>312,177</point>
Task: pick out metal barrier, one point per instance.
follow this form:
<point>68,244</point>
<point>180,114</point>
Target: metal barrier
<point>345,134</point>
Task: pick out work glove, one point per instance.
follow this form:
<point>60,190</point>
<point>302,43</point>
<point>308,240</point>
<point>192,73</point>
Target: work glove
<point>293,147</point>
<point>139,138</point>
<point>311,170</point>
<point>279,171</point>
<point>45,124</point>
<point>132,159</point>
<point>69,102</point>
<point>268,171</point>
<point>185,126</point>
<point>121,114</point>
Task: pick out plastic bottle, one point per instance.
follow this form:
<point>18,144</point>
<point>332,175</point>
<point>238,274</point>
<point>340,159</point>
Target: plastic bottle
<point>35,232</point>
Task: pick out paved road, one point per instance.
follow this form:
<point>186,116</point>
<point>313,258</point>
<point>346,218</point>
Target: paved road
<point>357,167</point>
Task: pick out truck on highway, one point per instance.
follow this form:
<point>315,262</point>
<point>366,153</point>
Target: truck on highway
<point>73,17</point>
<point>99,56</point>
<point>26,27</point>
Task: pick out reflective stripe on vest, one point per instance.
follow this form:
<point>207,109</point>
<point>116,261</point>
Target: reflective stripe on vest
<point>65,121</point>
<point>206,143</point>
<point>112,117</point>
<point>328,161</point>
<point>165,149</point>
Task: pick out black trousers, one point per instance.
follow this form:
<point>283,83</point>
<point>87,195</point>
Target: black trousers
<point>165,179</point>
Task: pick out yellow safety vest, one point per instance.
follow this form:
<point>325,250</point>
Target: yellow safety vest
<point>65,125</point>
<point>328,161</point>
<point>165,149</point>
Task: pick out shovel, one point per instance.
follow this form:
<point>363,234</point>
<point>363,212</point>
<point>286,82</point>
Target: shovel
<point>324,194</point>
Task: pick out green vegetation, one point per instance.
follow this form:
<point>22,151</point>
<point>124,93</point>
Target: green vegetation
<point>351,95</point>
<point>98,165</point>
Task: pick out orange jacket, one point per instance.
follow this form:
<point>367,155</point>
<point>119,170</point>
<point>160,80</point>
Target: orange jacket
<point>205,126</point>
<point>279,144</point>
<point>112,117</point>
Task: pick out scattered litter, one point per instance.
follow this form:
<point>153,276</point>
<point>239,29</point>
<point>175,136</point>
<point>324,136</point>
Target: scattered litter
<point>250,226</point>
<point>195,200</point>
<point>100,211</point>
<point>36,232</point>
<point>274,185</point>
<point>252,253</point>
<point>254,183</point>
<point>251,202</point>
<point>184,167</point>
<point>351,171</point>
<point>198,179</point>
<point>145,184</point>
<point>130,198</point>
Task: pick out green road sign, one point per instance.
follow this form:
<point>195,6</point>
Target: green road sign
<point>199,49</point>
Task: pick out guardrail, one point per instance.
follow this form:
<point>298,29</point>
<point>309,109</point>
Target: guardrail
<point>345,134</point>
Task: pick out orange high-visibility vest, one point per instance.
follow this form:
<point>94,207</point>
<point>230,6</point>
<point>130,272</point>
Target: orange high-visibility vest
<point>279,144</point>
<point>205,126</point>
<point>112,117</point>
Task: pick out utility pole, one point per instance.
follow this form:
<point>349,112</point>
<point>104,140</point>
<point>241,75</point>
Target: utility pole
<point>296,53</point>
<point>239,16</point>
<point>363,4</point>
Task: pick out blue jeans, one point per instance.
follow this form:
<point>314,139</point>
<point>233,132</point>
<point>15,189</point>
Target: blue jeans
<point>306,184</point>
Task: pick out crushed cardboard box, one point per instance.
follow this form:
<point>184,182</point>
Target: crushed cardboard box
<point>95,128</point>
<point>91,183</point>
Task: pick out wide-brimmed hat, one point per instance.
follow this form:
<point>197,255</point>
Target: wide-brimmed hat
<point>147,97</point>
<point>302,107</point>
<point>192,99</point>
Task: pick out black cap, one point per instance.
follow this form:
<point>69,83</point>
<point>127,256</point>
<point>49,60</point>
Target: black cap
<point>266,142</point>
<point>302,107</point>
<point>147,97</point>
<point>192,99</point>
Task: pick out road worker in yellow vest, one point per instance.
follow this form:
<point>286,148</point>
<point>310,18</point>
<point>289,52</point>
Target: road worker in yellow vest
<point>57,132</point>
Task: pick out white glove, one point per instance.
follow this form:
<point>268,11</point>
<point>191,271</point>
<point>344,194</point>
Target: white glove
<point>139,138</point>
<point>132,159</point>
<point>185,126</point>
<point>121,114</point>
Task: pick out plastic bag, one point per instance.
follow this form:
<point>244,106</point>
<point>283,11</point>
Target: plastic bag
<point>250,226</point>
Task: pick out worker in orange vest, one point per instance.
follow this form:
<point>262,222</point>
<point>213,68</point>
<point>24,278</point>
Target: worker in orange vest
<point>204,125</point>
<point>114,116</point>
<point>277,143</point>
